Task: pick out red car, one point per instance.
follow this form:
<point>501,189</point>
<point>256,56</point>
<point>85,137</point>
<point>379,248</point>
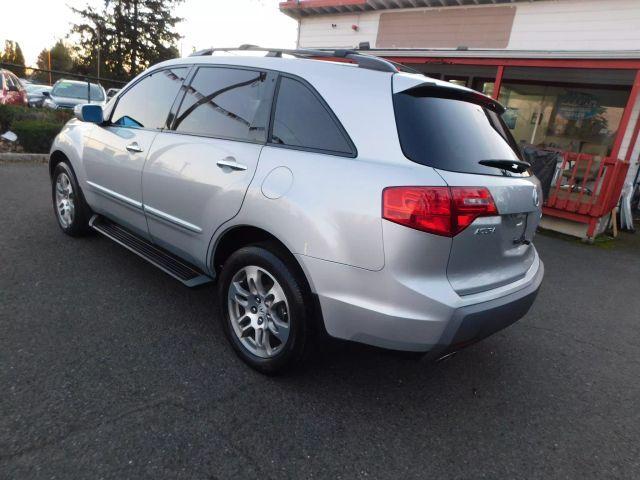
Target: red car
<point>12,91</point>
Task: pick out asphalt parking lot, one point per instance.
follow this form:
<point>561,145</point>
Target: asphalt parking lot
<point>111,369</point>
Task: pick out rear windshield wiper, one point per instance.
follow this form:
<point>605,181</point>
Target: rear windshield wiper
<point>516,166</point>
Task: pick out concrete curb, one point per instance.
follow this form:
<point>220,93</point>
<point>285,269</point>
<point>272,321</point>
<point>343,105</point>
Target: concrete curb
<point>24,157</point>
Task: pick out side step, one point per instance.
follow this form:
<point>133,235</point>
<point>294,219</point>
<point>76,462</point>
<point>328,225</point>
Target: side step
<point>165,261</point>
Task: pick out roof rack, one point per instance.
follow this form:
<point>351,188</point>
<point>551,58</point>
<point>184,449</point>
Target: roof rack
<point>369,62</point>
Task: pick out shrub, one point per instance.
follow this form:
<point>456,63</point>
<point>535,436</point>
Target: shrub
<point>36,136</point>
<point>7,112</point>
<point>35,127</point>
<point>12,113</point>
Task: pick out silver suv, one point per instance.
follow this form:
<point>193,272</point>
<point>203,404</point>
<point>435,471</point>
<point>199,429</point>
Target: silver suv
<point>347,198</point>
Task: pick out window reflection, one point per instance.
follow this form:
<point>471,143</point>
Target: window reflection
<point>147,103</point>
<point>225,103</point>
<point>571,118</point>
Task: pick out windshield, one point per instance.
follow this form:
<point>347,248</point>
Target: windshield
<point>37,88</point>
<point>77,90</point>
<point>451,134</point>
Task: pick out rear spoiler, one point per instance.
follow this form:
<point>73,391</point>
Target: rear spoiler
<point>438,88</point>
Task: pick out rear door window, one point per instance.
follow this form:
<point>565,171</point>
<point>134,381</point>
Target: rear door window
<point>451,134</point>
<point>301,120</point>
<point>147,103</point>
<point>226,103</point>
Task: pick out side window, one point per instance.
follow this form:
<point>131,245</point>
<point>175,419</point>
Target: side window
<point>12,81</point>
<point>301,120</point>
<point>226,103</point>
<point>147,103</point>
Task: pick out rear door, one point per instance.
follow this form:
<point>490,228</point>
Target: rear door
<point>453,131</point>
<point>197,174</point>
<point>115,152</point>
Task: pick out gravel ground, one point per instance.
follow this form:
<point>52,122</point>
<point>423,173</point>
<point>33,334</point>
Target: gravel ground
<point>111,369</point>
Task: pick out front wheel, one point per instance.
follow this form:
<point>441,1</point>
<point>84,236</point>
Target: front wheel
<point>72,212</point>
<point>266,310</point>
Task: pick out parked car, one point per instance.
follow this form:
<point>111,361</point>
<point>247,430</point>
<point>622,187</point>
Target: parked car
<point>371,204</point>
<point>35,94</point>
<point>111,93</point>
<point>11,90</point>
<point>69,93</point>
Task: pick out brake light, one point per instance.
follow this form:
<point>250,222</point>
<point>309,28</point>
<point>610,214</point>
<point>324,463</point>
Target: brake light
<point>440,210</point>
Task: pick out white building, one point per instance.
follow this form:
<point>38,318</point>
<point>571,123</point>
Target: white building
<point>568,72</point>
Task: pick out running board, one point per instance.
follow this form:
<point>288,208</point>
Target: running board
<point>165,261</point>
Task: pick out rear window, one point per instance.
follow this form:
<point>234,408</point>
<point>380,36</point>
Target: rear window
<point>302,121</point>
<point>77,90</point>
<point>451,134</point>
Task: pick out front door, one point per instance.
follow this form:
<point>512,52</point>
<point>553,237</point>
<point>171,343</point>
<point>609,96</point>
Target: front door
<point>197,174</point>
<point>116,152</point>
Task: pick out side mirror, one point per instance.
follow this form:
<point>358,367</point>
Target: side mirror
<point>46,94</point>
<point>89,113</point>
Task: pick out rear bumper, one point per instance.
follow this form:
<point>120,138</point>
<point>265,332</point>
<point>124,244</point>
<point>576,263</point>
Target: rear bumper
<point>473,323</point>
<point>414,314</point>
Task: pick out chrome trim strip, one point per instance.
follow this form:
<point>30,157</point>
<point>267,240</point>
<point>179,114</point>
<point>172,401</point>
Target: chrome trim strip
<point>116,195</point>
<point>172,219</point>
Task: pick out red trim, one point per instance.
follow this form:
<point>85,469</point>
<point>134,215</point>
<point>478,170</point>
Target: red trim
<point>576,217</point>
<point>626,116</point>
<point>633,64</point>
<point>634,139</point>
<point>498,82</point>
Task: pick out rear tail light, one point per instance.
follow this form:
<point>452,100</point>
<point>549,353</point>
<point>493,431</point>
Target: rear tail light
<point>440,210</point>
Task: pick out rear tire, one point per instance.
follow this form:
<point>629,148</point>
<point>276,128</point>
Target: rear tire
<point>69,206</point>
<point>265,309</point>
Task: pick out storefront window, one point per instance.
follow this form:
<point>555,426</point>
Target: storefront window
<point>570,118</point>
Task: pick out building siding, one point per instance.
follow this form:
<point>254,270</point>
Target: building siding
<point>446,28</point>
<point>577,25</point>
<point>553,25</point>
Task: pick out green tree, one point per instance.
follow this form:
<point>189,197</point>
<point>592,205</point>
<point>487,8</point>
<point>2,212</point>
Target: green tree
<point>61,61</point>
<point>13,54</point>
<point>126,35</point>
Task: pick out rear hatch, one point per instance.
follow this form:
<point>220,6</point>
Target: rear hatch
<point>460,134</point>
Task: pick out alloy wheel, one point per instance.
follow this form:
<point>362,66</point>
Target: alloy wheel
<point>258,311</point>
<point>65,200</point>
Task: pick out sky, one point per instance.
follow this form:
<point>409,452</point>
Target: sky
<point>37,24</point>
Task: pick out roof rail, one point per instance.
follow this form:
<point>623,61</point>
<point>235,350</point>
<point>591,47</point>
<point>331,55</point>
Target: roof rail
<point>369,62</point>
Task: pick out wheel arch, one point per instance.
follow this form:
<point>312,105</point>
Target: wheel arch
<point>56,157</point>
<point>238,236</point>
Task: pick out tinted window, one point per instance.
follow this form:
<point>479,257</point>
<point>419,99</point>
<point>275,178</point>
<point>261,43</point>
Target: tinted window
<point>225,103</point>
<point>451,134</point>
<point>301,120</point>
<point>147,103</point>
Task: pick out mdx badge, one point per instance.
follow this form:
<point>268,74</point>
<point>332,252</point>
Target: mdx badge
<point>484,230</point>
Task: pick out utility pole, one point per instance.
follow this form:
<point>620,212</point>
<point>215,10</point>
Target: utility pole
<point>99,48</point>
<point>49,55</point>
<point>134,40</point>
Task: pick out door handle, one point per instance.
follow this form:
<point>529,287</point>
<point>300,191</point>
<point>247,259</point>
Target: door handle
<point>231,163</point>
<point>134,147</point>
